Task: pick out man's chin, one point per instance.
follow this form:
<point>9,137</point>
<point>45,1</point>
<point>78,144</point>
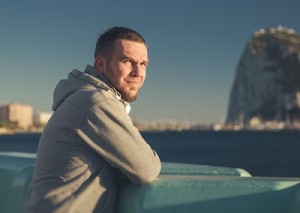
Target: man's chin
<point>128,97</point>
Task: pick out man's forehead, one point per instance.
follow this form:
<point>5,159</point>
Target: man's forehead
<point>132,49</point>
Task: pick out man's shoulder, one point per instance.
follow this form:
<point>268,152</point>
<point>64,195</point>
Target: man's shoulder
<point>88,97</point>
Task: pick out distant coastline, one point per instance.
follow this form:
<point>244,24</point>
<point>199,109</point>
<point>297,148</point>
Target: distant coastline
<point>178,127</point>
<point>7,131</point>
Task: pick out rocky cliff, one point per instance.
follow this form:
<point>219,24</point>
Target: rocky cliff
<point>267,82</point>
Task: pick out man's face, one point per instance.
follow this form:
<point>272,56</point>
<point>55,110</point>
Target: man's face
<point>127,68</point>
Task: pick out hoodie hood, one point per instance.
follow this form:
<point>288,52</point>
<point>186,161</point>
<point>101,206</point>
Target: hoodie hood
<point>78,80</point>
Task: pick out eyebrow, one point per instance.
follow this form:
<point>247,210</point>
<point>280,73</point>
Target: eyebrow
<point>131,58</point>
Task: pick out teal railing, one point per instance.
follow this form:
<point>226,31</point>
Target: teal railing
<point>179,188</point>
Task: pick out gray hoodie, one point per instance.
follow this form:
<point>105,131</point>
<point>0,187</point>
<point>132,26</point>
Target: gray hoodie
<point>87,141</point>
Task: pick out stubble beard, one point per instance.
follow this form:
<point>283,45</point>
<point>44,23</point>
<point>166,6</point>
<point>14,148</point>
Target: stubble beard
<point>126,96</point>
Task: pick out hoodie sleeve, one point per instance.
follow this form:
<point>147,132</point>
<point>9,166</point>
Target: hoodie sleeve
<point>109,131</point>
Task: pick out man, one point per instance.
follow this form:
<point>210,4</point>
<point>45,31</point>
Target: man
<point>90,139</point>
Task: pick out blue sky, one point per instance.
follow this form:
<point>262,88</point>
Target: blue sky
<point>194,48</point>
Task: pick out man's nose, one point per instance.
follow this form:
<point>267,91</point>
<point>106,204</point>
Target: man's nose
<point>137,70</point>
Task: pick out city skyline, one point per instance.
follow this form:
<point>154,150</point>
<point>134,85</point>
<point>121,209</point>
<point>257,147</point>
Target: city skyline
<point>194,49</point>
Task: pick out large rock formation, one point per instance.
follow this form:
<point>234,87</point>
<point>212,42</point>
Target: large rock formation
<point>267,81</point>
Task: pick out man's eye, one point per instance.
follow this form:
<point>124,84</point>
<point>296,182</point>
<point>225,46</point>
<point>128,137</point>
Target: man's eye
<point>144,64</point>
<point>126,61</point>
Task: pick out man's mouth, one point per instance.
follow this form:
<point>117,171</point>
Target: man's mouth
<point>133,85</point>
<point>132,82</point>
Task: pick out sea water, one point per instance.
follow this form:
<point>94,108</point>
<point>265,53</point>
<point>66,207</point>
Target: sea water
<point>261,153</point>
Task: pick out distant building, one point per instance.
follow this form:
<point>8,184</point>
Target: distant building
<point>40,119</point>
<point>19,114</point>
<point>3,113</point>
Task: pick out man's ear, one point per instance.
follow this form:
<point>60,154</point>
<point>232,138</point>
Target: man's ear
<point>100,63</point>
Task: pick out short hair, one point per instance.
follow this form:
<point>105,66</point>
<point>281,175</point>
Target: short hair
<point>106,41</point>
